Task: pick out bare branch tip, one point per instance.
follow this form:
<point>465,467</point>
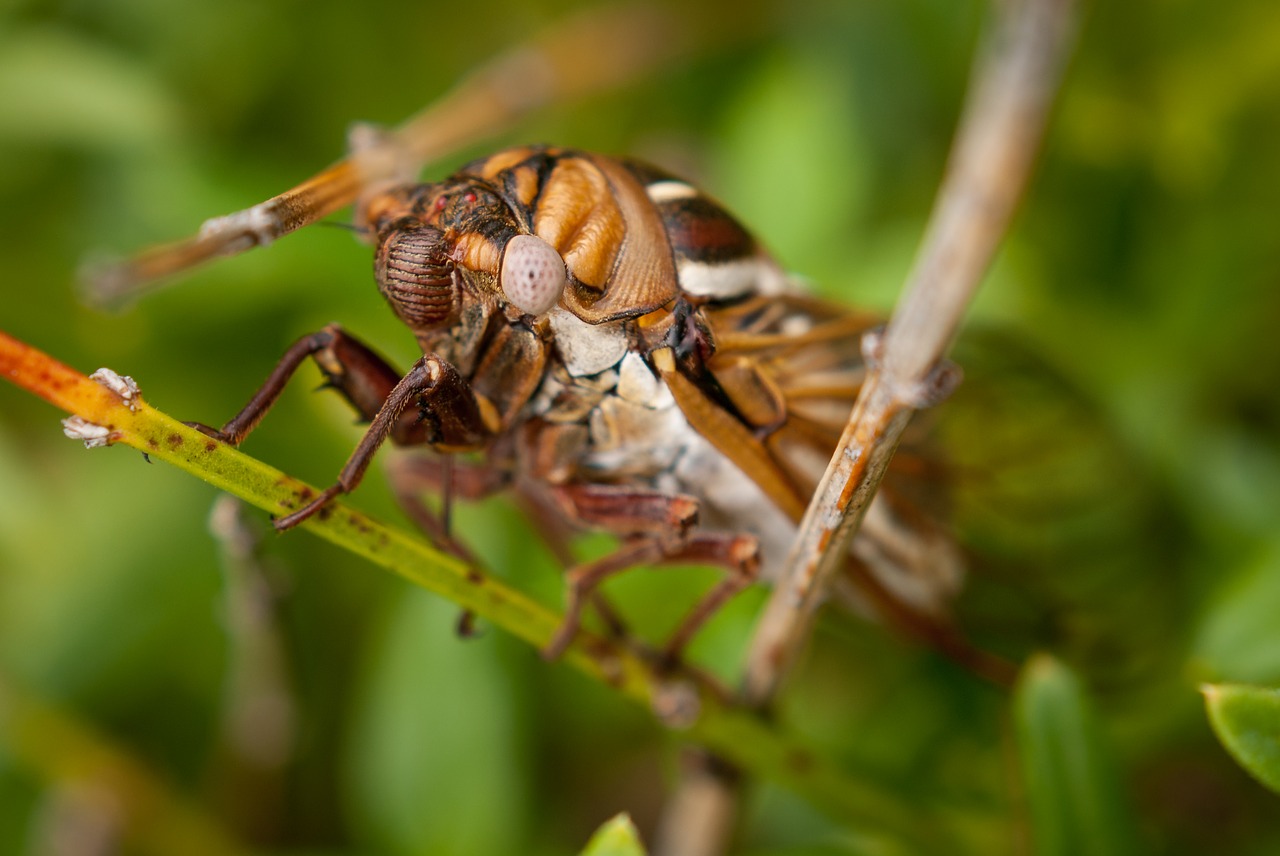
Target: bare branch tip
<point>106,282</point>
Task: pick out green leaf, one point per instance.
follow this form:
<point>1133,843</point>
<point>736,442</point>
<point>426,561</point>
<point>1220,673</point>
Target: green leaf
<point>1072,789</point>
<point>1237,639</point>
<point>59,88</point>
<point>617,837</point>
<point>1247,721</point>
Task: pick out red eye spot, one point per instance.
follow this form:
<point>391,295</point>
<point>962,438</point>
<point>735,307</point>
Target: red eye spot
<point>471,196</point>
<point>440,203</point>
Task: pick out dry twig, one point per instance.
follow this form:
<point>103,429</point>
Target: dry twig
<point>1014,81</point>
<point>1004,119</point>
<point>598,50</point>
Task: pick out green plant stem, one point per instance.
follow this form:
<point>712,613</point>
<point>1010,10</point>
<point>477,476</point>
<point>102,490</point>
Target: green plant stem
<point>684,699</point>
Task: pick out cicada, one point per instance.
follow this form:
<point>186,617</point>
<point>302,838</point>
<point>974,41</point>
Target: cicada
<point>607,342</point>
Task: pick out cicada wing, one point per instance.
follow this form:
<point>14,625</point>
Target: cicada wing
<point>1058,523</point>
<point>791,367</point>
<point>1014,510</point>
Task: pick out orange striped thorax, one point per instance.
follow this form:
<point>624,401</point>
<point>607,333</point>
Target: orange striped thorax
<point>632,238</point>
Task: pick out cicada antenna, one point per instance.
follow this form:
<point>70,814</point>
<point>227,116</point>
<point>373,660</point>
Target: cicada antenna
<point>594,51</point>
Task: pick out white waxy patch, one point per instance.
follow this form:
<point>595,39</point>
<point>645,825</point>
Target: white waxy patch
<point>668,191</point>
<point>587,349</point>
<point>533,274</point>
<point>752,275</point>
<point>550,389</point>
<point>659,444</point>
<point>93,436</point>
<point>637,383</point>
<point>571,399</point>
<point>631,439</point>
<point>122,385</point>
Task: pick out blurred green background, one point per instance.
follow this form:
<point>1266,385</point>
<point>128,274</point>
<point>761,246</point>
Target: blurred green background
<point>1118,433</point>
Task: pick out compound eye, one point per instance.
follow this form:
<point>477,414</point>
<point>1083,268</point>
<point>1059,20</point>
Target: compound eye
<point>416,277</point>
<point>533,274</point>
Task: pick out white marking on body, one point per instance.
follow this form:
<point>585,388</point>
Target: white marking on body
<point>587,349</point>
<point>753,275</point>
<point>732,501</point>
<point>668,191</point>
<point>660,446</point>
<point>571,399</point>
<point>637,383</point>
<point>632,439</point>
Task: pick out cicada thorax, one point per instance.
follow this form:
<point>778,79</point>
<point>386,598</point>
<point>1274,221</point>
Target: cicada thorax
<point>536,244</point>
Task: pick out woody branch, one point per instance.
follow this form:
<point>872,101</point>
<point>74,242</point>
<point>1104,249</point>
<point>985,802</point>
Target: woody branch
<point>594,51</point>
<point>1006,112</point>
<point>1011,90</point>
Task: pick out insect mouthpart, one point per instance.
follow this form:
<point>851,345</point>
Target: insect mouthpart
<point>416,276</point>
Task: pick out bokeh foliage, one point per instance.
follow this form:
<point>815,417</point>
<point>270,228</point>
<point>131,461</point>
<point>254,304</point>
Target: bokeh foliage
<point>1118,442</point>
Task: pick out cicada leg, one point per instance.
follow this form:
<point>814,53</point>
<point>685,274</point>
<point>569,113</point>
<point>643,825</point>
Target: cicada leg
<point>581,582</point>
<point>444,404</point>
<point>739,554</point>
<point>656,528</point>
<point>362,377</point>
<point>413,476</point>
<point>449,478</point>
<point>432,403</point>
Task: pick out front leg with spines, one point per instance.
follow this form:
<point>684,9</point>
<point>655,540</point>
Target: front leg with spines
<point>349,366</point>
<point>432,404</point>
<point>447,411</point>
